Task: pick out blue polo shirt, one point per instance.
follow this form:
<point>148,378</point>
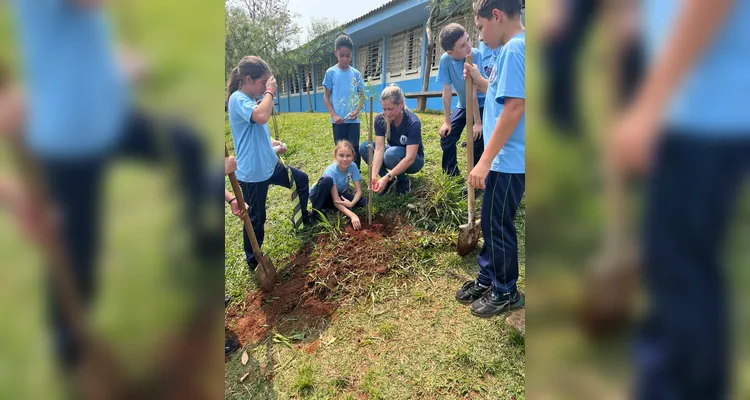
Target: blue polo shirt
<point>344,85</point>
<point>256,160</point>
<point>451,72</point>
<point>714,97</point>
<point>78,98</point>
<point>342,180</point>
<point>508,79</point>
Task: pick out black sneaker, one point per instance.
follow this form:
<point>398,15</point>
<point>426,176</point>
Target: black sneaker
<point>230,346</point>
<point>490,305</point>
<point>227,300</point>
<point>311,220</point>
<point>252,265</point>
<point>470,291</point>
<point>403,186</point>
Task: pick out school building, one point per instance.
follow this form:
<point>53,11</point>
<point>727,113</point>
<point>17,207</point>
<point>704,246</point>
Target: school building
<point>389,43</point>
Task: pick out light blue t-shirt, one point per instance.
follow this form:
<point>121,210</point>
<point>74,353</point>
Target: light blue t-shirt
<point>344,86</point>
<point>256,159</point>
<point>451,72</point>
<point>78,98</point>
<point>714,98</point>
<point>508,79</point>
<point>340,179</point>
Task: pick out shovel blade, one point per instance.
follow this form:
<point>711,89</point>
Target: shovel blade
<point>266,273</point>
<point>610,288</point>
<point>468,237</point>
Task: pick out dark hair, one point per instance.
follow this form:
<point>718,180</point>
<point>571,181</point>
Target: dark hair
<point>450,35</point>
<point>343,41</point>
<point>252,66</point>
<point>511,8</point>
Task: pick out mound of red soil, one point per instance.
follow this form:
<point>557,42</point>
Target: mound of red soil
<point>303,298</point>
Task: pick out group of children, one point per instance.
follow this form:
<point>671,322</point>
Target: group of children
<point>498,71</point>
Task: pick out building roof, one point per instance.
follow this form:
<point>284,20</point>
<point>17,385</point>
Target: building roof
<point>373,11</point>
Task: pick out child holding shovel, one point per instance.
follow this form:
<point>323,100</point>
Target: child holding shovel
<point>333,188</point>
<point>258,166</point>
<point>501,169</point>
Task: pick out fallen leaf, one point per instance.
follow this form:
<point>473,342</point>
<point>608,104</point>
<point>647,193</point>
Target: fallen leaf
<point>244,376</point>
<point>245,357</point>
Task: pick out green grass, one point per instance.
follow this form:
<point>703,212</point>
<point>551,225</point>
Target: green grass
<point>398,336</point>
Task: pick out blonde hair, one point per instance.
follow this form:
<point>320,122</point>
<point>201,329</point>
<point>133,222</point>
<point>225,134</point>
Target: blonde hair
<point>393,94</point>
<point>343,143</point>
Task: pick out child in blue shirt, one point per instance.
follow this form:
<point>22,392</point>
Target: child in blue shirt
<point>501,169</point>
<point>344,95</point>
<point>333,189</point>
<point>689,129</point>
<point>457,45</point>
<point>258,166</point>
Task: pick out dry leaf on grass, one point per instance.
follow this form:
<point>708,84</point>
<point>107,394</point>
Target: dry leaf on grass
<point>245,357</point>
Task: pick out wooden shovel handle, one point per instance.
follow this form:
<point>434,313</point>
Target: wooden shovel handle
<point>241,202</point>
<point>470,135</point>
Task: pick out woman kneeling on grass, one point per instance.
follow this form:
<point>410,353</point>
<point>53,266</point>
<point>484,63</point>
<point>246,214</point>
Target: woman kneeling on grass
<point>398,144</point>
<point>333,189</point>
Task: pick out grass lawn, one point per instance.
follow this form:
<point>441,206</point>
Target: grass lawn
<point>393,335</point>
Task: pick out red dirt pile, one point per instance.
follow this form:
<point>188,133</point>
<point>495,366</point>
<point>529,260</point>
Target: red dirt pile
<point>303,299</point>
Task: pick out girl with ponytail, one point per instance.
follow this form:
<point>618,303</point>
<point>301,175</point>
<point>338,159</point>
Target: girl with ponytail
<point>251,89</point>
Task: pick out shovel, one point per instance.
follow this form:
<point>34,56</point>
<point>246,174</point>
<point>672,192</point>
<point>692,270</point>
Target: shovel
<point>610,283</point>
<point>468,234</point>
<point>99,374</point>
<point>265,272</point>
<point>370,150</point>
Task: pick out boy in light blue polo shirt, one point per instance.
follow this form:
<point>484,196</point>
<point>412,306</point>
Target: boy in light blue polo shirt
<point>501,170</point>
<point>344,95</point>
<point>701,158</point>
<point>457,45</point>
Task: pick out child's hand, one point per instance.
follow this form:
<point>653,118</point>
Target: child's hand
<point>353,115</point>
<point>271,85</point>
<point>344,202</point>
<point>337,120</point>
<point>478,175</point>
<point>471,69</point>
<point>477,131</point>
<point>356,224</point>
<point>444,130</point>
<point>236,210</point>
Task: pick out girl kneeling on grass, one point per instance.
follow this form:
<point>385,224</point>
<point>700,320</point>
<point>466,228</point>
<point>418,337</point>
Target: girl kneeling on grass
<point>333,187</point>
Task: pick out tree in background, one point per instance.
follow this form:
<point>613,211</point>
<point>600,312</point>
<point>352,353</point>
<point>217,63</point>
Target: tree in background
<point>265,28</point>
<point>439,12</point>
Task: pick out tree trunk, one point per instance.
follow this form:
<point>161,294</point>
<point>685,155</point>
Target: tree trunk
<point>309,92</point>
<point>422,101</point>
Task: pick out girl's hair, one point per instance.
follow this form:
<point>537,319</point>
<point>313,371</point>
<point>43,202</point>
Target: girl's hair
<point>343,143</point>
<point>252,66</point>
<point>343,40</point>
<point>393,94</point>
